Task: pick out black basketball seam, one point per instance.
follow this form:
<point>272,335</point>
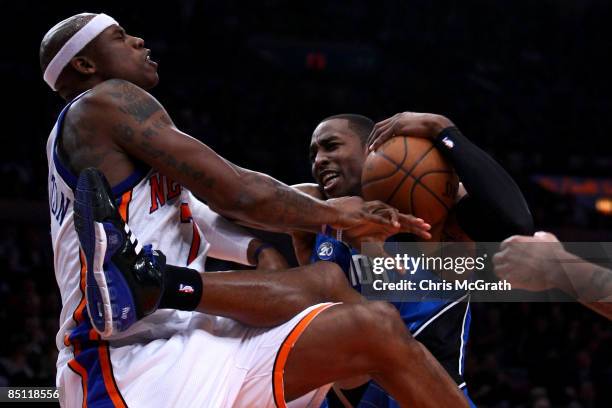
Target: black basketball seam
<point>418,181</point>
<point>409,172</point>
<point>419,160</point>
<point>398,187</point>
<point>374,180</point>
<point>397,165</point>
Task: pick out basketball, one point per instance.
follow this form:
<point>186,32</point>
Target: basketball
<point>411,175</point>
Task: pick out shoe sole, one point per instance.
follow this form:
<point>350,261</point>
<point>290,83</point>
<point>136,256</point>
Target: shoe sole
<point>110,304</point>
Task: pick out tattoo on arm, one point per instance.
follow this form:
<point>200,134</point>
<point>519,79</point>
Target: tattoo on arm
<point>140,110</point>
<point>149,133</point>
<point>288,206</point>
<point>133,102</point>
<point>140,106</point>
<point>77,147</point>
<point>124,132</point>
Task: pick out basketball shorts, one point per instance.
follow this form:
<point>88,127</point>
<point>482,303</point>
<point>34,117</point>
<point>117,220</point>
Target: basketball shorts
<point>216,363</point>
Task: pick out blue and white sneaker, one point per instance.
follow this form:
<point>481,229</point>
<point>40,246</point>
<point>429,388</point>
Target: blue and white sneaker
<point>124,280</point>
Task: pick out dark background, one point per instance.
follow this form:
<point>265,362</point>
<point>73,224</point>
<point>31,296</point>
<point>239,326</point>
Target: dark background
<point>529,81</point>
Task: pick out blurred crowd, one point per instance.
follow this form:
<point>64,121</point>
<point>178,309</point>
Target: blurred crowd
<point>527,81</point>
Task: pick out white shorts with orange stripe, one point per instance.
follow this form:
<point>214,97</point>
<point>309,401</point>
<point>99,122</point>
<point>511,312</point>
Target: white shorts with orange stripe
<point>216,363</point>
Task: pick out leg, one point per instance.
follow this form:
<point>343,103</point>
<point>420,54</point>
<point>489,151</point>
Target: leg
<point>264,299</point>
<point>125,283</point>
<point>368,338</point>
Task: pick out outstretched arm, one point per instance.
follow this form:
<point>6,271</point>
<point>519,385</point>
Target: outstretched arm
<point>303,242</point>
<point>540,263</point>
<point>141,127</point>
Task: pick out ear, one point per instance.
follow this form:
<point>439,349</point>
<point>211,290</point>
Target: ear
<point>83,65</point>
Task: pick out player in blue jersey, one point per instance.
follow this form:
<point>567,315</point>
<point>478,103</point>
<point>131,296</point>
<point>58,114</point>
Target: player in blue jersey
<point>110,128</point>
<point>489,207</point>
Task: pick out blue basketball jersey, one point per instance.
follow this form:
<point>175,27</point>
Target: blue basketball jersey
<point>441,325</point>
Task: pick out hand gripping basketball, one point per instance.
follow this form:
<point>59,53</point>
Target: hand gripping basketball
<point>413,124</point>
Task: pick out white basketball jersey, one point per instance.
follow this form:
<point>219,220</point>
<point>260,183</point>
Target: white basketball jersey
<point>160,212</point>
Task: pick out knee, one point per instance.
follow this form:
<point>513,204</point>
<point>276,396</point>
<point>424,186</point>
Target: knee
<point>386,335</point>
<point>386,318</point>
<point>331,280</point>
<point>316,283</point>
<point>384,324</point>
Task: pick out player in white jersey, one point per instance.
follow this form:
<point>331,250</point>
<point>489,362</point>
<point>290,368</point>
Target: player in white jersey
<point>174,357</point>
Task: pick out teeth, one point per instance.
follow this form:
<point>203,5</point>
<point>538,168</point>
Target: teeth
<point>328,177</point>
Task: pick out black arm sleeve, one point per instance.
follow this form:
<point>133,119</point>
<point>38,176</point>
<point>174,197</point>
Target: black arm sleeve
<point>495,207</point>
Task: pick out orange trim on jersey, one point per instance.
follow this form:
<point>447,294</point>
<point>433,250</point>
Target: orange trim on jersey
<point>186,215</point>
<point>125,202</point>
<point>77,315</point>
<point>195,245</point>
<point>109,379</point>
<point>94,335</point>
<point>278,383</point>
<point>80,370</point>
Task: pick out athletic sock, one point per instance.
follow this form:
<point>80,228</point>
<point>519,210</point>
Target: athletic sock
<point>182,289</point>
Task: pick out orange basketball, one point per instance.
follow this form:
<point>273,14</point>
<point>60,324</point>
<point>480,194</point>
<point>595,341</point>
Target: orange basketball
<point>411,175</point>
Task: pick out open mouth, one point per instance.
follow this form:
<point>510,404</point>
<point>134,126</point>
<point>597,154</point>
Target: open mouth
<point>148,59</point>
<point>329,179</point>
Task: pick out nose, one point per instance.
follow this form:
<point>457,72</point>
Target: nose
<point>320,160</point>
<point>138,42</point>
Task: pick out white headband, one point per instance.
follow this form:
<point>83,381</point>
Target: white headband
<point>75,44</point>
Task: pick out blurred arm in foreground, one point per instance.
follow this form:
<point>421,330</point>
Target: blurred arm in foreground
<point>540,262</point>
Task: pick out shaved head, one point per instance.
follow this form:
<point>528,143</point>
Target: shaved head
<point>58,35</point>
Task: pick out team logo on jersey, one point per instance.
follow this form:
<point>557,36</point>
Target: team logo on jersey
<point>325,251</point>
<point>163,190</point>
<point>185,289</point>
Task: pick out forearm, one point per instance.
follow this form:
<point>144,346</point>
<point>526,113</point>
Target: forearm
<point>268,203</point>
<point>140,127</point>
<point>493,194</point>
<point>588,283</point>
